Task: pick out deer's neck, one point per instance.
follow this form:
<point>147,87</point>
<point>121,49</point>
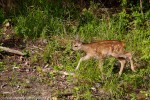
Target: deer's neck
<point>84,47</point>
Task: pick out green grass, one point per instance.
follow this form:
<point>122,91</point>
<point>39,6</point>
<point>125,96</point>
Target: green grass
<point>129,28</point>
<point>137,41</point>
<point>88,75</point>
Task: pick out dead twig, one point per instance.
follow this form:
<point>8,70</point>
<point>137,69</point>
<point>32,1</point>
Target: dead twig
<point>11,50</point>
<point>141,7</point>
<point>60,72</point>
<point>64,95</point>
<point>65,73</point>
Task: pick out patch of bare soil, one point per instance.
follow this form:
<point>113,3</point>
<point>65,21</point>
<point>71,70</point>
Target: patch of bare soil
<point>21,78</point>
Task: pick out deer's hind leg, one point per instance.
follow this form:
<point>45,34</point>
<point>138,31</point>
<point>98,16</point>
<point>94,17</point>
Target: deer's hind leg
<point>129,56</point>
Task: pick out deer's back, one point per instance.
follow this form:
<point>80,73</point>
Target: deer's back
<point>107,47</point>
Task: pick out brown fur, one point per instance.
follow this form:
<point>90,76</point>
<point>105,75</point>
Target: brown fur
<point>102,49</point>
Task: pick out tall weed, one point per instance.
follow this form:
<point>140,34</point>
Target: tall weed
<point>38,23</point>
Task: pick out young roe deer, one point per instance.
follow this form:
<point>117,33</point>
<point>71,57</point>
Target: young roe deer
<point>100,50</point>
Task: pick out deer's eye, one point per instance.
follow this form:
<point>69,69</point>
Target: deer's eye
<point>75,46</point>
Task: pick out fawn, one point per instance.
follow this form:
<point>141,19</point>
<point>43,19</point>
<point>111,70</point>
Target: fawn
<point>102,49</point>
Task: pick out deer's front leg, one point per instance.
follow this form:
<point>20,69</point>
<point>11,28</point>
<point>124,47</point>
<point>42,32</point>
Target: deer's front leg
<point>122,61</point>
<point>82,59</point>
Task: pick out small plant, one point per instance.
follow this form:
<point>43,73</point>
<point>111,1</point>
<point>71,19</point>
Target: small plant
<point>2,67</point>
<point>1,16</point>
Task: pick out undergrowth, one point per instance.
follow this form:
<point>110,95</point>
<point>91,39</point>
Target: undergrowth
<point>131,28</point>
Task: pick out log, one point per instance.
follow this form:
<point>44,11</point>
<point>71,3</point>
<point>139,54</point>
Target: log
<point>11,50</point>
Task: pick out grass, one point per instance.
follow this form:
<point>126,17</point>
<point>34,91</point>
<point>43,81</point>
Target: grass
<point>58,54</point>
<point>116,87</point>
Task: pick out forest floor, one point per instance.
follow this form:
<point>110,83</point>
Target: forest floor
<point>21,78</point>
<point>31,77</point>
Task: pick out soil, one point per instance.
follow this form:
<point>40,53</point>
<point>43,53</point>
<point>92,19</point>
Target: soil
<point>20,78</point>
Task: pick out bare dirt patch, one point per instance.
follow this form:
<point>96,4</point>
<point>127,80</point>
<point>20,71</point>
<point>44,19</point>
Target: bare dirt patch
<point>21,77</point>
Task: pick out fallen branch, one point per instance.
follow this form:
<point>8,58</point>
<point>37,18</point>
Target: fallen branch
<point>64,95</point>
<point>60,72</point>
<point>12,51</point>
<point>65,73</point>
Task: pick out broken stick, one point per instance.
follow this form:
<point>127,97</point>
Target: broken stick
<point>12,51</point>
